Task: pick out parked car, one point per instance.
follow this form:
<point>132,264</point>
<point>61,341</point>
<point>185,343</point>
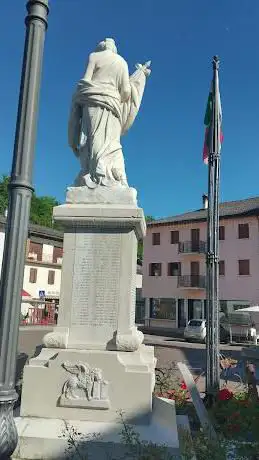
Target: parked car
<point>196,331</point>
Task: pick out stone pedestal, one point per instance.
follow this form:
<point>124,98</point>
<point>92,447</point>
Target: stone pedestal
<point>94,364</point>
<point>98,287</point>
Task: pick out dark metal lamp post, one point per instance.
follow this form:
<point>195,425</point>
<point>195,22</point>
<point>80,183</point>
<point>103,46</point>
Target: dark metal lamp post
<point>20,191</point>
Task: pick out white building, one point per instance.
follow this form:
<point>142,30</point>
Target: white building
<point>42,273</point>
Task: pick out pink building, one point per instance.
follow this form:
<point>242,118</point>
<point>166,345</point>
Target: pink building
<point>174,268</point>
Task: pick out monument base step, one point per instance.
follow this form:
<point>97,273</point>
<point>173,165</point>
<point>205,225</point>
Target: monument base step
<point>41,438</point>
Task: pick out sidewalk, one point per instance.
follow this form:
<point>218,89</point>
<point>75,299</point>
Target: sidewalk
<point>176,333</point>
<point>162,340</point>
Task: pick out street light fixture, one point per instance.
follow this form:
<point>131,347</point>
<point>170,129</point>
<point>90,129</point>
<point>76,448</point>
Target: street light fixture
<point>20,191</point>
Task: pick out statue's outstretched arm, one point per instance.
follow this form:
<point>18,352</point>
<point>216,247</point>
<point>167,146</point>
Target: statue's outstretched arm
<point>90,69</point>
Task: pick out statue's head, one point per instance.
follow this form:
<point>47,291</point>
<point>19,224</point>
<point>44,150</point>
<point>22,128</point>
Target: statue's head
<point>107,44</point>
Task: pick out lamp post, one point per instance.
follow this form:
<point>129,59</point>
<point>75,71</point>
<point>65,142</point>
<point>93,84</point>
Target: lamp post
<point>20,191</point>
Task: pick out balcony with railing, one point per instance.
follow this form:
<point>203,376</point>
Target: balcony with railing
<point>192,282</point>
<point>192,247</point>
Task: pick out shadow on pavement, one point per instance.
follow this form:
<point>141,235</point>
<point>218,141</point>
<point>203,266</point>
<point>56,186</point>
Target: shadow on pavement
<point>29,346</point>
<point>194,356</point>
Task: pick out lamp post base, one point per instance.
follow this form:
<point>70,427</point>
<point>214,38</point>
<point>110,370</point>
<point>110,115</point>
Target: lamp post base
<point>8,431</point>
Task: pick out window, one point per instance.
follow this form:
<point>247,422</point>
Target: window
<point>36,248</point>
<point>244,267</point>
<point>33,275</point>
<point>174,237</point>
<point>57,254</point>
<point>155,269</point>
<point>221,232</point>
<point>51,277</point>
<point>164,309</point>
<point>195,236</point>
<point>196,322</point>
<point>155,239</point>
<point>238,307</point>
<point>222,267</point>
<point>174,269</point>
<point>243,231</point>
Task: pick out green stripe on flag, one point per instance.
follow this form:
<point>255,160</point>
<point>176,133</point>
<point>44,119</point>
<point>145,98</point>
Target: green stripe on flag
<point>208,114</point>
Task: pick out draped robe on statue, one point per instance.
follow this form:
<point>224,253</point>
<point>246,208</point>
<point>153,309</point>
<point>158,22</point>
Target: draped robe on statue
<point>98,119</point>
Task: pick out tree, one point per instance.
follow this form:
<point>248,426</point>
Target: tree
<point>140,243</point>
<point>41,206</point>
<point>41,210</point>
<point>4,181</point>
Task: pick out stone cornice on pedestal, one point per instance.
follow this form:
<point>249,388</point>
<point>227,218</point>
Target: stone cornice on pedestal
<point>107,216</point>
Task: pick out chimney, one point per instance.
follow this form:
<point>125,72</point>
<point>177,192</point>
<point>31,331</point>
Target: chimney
<point>205,201</point>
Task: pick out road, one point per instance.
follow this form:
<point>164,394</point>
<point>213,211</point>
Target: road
<point>168,351</point>
<point>29,344</point>
<point>194,354</point>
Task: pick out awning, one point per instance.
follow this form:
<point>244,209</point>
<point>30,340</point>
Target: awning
<point>25,293</point>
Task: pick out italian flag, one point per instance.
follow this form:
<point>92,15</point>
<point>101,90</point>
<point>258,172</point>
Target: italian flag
<point>208,119</point>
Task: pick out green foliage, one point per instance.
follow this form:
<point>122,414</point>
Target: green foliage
<point>141,450</point>
<point>41,207</point>
<point>197,444</point>
<point>238,418</point>
<point>200,445</point>
<point>135,449</point>
<point>41,210</point>
<point>77,442</point>
<point>149,218</point>
<point>4,181</point>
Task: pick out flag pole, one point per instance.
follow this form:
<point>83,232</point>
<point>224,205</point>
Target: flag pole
<point>212,287</point>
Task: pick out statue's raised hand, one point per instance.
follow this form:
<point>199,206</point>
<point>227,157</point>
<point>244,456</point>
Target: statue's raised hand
<point>145,68</point>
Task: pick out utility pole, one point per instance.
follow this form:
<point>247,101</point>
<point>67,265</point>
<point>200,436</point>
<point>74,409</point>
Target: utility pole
<point>16,231</point>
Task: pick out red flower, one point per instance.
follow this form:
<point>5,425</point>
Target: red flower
<point>225,394</point>
<point>183,386</point>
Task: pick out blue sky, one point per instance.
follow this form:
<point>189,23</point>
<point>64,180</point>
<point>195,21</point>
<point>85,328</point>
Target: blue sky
<point>163,149</point>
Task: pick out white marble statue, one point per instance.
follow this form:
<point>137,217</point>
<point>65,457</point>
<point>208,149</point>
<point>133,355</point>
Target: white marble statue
<point>104,107</point>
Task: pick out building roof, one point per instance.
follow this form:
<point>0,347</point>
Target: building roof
<point>46,232</point>
<point>227,210</point>
<point>38,230</point>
